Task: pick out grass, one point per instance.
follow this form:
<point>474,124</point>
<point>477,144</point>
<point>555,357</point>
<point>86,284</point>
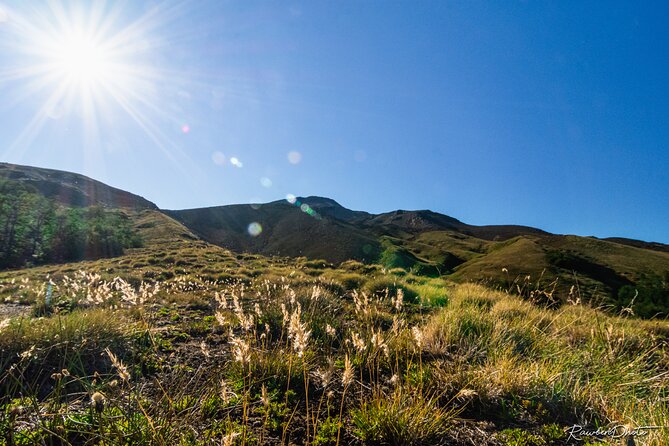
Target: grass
<point>402,418</point>
<point>573,364</point>
<point>245,349</point>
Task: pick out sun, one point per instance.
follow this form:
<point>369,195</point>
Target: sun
<point>74,53</point>
<point>80,60</point>
<point>91,67</point>
<point>86,61</point>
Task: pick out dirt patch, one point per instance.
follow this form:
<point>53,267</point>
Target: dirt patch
<point>13,310</point>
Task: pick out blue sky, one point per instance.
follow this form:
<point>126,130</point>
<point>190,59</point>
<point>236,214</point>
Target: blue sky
<point>548,114</point>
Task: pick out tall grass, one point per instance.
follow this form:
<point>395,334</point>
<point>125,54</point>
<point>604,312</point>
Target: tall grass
<point>574,364</point>
<point>284,359</point>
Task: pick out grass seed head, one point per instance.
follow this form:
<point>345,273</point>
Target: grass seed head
<point>98,401</point>
<point>241,350</point>
<point>229,439</point>
<point>417,336</point>
<point>121,369</point>
<point>347,377</point>
<point>264,397</point>
<point>205,349</point>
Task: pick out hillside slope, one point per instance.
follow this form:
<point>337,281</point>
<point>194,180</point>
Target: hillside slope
<point>286,230</point>
<point>72,189</point>
<point>318,227</point>
<point>50,217</point>
<point>422,241</point>
<point>431,243</point>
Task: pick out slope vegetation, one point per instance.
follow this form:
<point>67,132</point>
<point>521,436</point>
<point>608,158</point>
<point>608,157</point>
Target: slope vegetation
<point>71,189</point>
<point>512,257</point>
<point>609,272</point>
<point>192,344</point>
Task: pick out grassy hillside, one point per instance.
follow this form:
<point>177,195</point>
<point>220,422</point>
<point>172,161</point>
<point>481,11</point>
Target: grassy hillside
<point>71,189</point>
<point>286,230</point>
<point>182,342</point>
<point>513,258</point>
<point>608,273</point>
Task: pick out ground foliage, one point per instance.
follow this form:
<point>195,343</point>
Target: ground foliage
<point>190,344</point>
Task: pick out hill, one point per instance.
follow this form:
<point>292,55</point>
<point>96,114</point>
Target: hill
<point>50,216</point>
<point>510,256</point>
<point>188,343</point>
<point>330,232</point>
<point>179,340</point>
<point>528,260</point>
<point>72,189</point>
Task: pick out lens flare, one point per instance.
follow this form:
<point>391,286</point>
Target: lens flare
<point>254,229</point>
<point>265,182</point>
<point>235,162</point>
<point>304,207</point>
<point>218,158</point>
<point>294,157</point>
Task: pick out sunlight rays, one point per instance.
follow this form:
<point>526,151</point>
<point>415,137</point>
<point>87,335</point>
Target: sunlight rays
<point>83,62</point>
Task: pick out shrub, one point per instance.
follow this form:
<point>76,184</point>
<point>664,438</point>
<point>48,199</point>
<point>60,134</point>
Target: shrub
<point>401,419</point>
<point>379,285</point>
<point>317,264</point>
<point>350,281</point>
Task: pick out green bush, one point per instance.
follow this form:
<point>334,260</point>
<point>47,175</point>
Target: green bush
<point>401,419</point>
<point>350,281</point>
<point>648,298</point>
<point>379,285</point>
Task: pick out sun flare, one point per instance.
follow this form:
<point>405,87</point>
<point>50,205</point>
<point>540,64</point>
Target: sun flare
<point>81,60</point>
<point>93,63</point>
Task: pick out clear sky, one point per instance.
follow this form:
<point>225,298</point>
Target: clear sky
<point>548,114</point>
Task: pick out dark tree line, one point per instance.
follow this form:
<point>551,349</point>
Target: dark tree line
<point>649,297</point>
<point>36,230</point>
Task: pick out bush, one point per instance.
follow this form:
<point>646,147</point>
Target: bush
<point>317,264</point>
<point>401,419</point>
<point>379,285</point>
<point>648,298</point>
<point>350,281</point>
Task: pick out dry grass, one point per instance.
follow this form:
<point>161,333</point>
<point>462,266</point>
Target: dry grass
<point>296,355</point>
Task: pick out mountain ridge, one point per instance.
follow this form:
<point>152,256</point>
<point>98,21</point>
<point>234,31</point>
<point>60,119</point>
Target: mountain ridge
<point>73,189</point>
<point>420,241</point>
